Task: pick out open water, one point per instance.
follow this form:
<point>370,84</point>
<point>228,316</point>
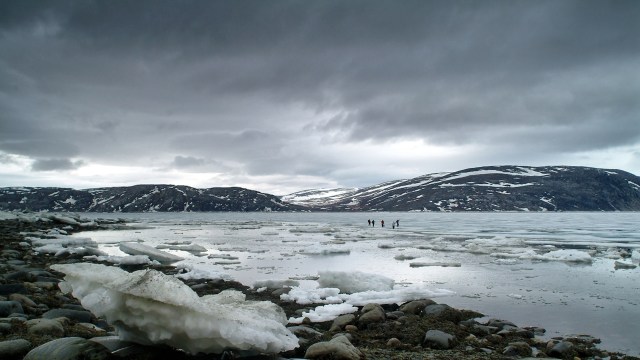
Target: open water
<point>493,261</point>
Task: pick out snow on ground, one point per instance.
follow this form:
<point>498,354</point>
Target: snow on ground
<point>137,304</point>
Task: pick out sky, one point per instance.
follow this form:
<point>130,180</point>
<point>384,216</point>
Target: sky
<point>281,96</point>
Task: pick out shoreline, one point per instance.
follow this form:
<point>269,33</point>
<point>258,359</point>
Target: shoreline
<point>396,332</point>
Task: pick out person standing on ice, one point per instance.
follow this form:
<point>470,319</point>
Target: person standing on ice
<point>369,221</point>
<point>373,223</point>
<point>382,223</point>
<point>397,223</point>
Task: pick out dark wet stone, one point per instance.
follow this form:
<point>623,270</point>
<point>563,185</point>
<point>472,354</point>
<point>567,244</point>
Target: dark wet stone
<point>519,348</point>
<point>416,306</point>
<point>10,307</point>
<point>561,349</point>
<point>70,348</point>
<point>80,316</point>
<point>14,349</point>
<point>7,289</point>
<point>20,275</point>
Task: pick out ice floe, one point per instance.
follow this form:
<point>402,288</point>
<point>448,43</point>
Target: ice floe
<point>325,250</point>
<point>191,270</point>
<point>324,313</point>
<point>123,260</point>
<point>356,281</point>
<point>434,263</point>
<point>151,252</point>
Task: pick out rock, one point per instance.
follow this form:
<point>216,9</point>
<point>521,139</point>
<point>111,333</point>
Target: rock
<point>351,328</point>
<point>7,289</point>
<point>10,307</point>
<point>395,315</point>
<point>305,332</point>
<point>500,324</point>
<point>394,343</point>
<point>23,300</point>
<point>416,306</point>
<point>77,315</point>
<point>562,349</point>
<point>373,315</point>
<point>437,339</point>
<point>337,348</point>
<point>435,309</point>
<point>5,328</point>
<point>369,307</point>
<point>70,348</point>
<point>20,275</point>
<point>45,327</point>
<point>341,321</point>
<point>519,348</point>
<point>14,348</point>
<point>74,307</point>
<point>484,329</point>
<point>516,331</point>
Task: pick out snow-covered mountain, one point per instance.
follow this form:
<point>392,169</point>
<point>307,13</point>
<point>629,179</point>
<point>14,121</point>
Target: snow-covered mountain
<point>491,188</point>
<point>140,198</point>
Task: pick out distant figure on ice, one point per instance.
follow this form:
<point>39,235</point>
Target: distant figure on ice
<point>369,221</point>
<point>373,223</point>
<point>397,223</point>
<point>393,225</point>
<point>382,223</point>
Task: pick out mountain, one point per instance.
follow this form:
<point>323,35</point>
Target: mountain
<point>140,198</point>
<point>490,188</point>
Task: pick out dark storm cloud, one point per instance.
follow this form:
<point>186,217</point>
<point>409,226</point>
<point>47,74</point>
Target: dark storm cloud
<point>55,164</point>
<point>195,84</point>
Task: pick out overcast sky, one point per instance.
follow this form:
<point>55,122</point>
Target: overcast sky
<point>280,96</point>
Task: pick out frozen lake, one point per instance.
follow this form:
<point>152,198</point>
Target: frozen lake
<point>552,270</point>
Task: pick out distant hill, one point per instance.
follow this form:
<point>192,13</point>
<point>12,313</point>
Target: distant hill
<point>140,198</point>
<point>490,188</point>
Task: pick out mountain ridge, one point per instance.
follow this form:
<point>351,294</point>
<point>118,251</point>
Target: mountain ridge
<point>487,188</point>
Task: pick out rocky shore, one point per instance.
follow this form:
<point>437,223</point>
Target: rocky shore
<point>38,321</point>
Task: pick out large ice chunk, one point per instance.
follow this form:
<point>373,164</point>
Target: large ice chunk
<point>149,307</point>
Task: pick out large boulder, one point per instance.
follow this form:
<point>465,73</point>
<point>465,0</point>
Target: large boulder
<point>339,348</point>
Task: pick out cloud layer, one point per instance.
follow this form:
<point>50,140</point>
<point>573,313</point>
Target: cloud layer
<point>286,95</point>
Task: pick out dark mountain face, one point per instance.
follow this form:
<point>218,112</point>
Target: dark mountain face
<point>140,198</point>
<point>492,188</point>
